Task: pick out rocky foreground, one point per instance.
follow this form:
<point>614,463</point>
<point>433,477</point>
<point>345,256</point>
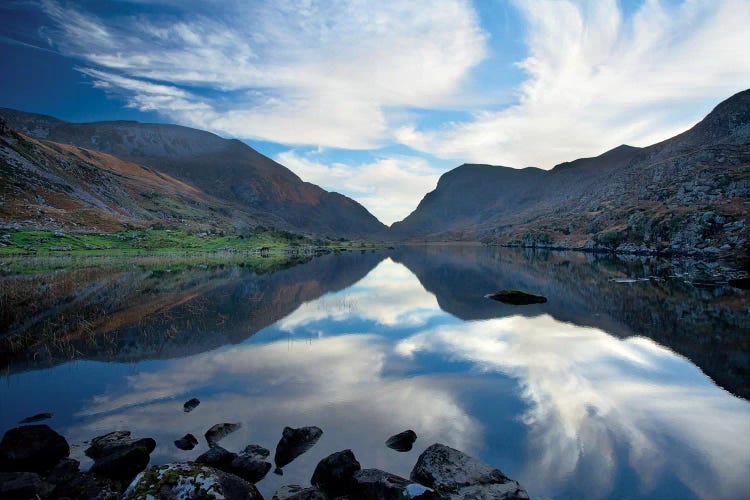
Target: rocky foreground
<point>34,463</point>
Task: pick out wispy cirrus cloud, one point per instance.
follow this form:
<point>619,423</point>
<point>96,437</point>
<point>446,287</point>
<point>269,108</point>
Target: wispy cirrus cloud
<point>597,79</point>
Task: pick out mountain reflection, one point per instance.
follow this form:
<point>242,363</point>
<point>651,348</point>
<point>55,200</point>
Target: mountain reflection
<point>601,392</point>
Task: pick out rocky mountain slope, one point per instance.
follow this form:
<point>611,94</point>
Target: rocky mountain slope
<point>228,170</point>
<point>687,194</point>
<point>58,186</point>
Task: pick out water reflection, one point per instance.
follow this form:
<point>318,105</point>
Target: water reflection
<point>590,395</point>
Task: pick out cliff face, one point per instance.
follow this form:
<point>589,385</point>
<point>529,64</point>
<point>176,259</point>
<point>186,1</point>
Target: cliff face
<point>687,194</point>
<point>228,170</point>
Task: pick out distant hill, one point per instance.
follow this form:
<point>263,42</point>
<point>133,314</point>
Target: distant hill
<point>690,193</point>
<point>224,169</point>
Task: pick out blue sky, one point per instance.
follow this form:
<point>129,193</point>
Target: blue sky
<point>377,99</point>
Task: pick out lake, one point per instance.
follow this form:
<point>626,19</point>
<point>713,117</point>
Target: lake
<point>631,381</point>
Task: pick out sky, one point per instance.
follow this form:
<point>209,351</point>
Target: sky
<point>377,99</point>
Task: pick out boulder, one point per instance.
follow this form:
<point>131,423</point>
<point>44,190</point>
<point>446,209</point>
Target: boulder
<point>295,442</point>
<point>249,464</point>
<point>374,484</point>
<point>118,456</point>
<point>189,481</point>
<point>335,473</point>
<point>517,297</point>
<point>88,486</point>
<point>190,405</point>
<point>186,442</point>
<point>295,492</point>
<point>403,441</point>
<point>32,448</point>
<point>65,471</point>
<point>455,475</point>
<point>217,432</point>
<point>22,486</point>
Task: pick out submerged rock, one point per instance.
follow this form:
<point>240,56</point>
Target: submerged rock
<point>335,473</point>
<point>217,432</point>
<point>36,418</point>
<point>295,442</point>
<point>22,486</point>
<point>517,297</point>
<point>118,456</point>
<point>250,464</point>
<point>455,475</point>
<point>296,492</point>
<point>189,481</point>
<point>190,405</point>
<point>403,441</point>
<point>32,448</point>
<point>186,442</point>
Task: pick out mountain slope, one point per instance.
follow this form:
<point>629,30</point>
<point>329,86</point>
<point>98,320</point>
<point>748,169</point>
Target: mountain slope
<point>686,194</point>
<point>46,184</point>
<point>226,169</point>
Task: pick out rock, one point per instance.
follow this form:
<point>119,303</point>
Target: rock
<point>190,405</point>
<point>88,486</point>
<point>36,418</point>
<point>186,442</point>
<point>189,481</point>
<point>250,464</point>
<point>22,486</point>
<point>295,442</point>
<point>374,484</point>
<point>118,456</point>
<point>517,297</point>
<point>65,471</point>
<point>32,448</point>
<point>295,492</point>
<point>454,474</point>
<point>217,432</point>
<point>335,473</point>
<point>403,441</point>
<point>741,283</point>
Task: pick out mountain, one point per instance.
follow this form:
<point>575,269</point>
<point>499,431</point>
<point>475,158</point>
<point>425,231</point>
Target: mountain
<point>43,183</point>
<point>226,169</point>
<point>687,194</point>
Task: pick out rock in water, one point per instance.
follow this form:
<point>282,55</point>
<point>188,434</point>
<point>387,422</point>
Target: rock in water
<point>250,464</point>
<point>32,448</point>
<point>190,405</point>
<point>295,442</point>
<point>217,432</point>
<point>189,481</point>
<point>456,475</point>
<point>335,473</point>
<point>296,492</point>
<point>186,442</point>
<point>517,297</point>
<point>36,418</point>
<point>374,484</point>
<point>403,441</point>
<point>118,456</point>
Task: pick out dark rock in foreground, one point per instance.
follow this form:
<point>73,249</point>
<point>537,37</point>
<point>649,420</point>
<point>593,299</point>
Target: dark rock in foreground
<point>455,475</point>
<point>374,484</point>
<point>189,481</point>
<point>403,441</point>
<point>32,448</point>
<point>335,473</point>
<point>741,283</point>
<point>118,456</point>
<point>295,492</point>
<point>217,432</point>
<point>295,442</point>
<point>22,486</point>
<point>250,464</point>
<point>517,297</point>
<point>186,442</point>
<point>190,405</point>
<point>36,418</point>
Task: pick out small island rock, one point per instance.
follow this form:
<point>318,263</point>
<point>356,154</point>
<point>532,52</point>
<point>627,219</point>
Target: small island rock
<point>517,297</point>
<point>186,442</point>
<point>295,442</point>
<point>403,441</point>
<point>190,405</point>
<point>217,432</point>
<point>36,418</point>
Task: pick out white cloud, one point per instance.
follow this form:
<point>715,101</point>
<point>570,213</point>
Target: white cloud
<point>322,73</point>
<point>389,187</point>
<point>596,80</point>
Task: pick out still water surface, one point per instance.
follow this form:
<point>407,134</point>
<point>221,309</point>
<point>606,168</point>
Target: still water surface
<point>605,391</point>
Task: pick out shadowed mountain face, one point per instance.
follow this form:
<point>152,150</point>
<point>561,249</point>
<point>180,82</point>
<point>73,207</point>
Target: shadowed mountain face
<point>582,289</point>
<point>122,316</point>
<point>226,169</point>
<point>686,194</point>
